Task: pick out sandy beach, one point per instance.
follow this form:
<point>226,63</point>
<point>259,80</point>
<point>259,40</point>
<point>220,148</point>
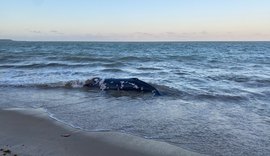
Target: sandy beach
<point>33,132</point>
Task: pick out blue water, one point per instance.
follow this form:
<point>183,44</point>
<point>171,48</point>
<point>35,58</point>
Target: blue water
<point>216,95</point>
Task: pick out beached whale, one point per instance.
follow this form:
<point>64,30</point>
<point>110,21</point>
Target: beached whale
<point>131,84</point>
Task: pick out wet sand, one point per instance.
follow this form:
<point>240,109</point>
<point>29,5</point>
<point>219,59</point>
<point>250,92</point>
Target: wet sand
<point>32,132</point>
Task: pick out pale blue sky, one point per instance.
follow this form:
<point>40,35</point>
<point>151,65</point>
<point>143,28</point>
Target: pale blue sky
<point>135,20</point>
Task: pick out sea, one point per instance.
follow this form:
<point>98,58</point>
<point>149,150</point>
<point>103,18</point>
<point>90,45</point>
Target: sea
<point>215,96</point>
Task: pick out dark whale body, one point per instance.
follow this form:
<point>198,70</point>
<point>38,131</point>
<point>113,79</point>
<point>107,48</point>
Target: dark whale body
<point>131,84</point>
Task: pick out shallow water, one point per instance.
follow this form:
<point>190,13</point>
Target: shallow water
<point>216,95</point>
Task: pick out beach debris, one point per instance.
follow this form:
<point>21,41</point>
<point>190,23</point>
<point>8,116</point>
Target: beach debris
<point>65,135</point>
<point>6,151</point>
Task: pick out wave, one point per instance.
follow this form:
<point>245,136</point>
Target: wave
<point>114,64</point>
<point>113,70</point>
<point>87,59</point>
<point>148,68</point>
<point>9,59</point>
<point>264,81</point>
<point>240,78</point>
<point>236,78</point>
<point>61,84</point>
<point>220,97</point>
<point>41,65</point>
<point>84,59</point>
<point>137,59</point>
<point>187,58</point>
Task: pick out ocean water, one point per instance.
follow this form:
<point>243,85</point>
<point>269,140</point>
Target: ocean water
<point>215,95</point>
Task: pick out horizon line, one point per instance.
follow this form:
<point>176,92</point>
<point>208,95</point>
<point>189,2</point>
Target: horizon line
<point>12,40</point>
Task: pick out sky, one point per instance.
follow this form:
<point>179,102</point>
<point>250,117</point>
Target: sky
<point>135,20</point>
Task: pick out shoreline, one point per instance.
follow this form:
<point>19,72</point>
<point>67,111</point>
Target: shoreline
<point>33,132</point>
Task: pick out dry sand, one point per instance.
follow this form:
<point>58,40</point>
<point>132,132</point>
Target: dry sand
<point>33,133</point>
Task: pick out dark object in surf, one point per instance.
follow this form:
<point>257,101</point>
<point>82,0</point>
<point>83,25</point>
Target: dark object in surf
<point>6,151</point>
<point>65,135</point>
<point>131,84</point>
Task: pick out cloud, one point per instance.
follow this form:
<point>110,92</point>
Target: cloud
<point>174,34</point>
<point>138,36</point>
<point>56,32</point>
<point>35,31</point>
<point>143,34</point>
<point>204,32</point>
<point>202,35</point>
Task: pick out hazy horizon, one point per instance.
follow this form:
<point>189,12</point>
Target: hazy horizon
<point>127,20</point>
<point>135,41</point>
